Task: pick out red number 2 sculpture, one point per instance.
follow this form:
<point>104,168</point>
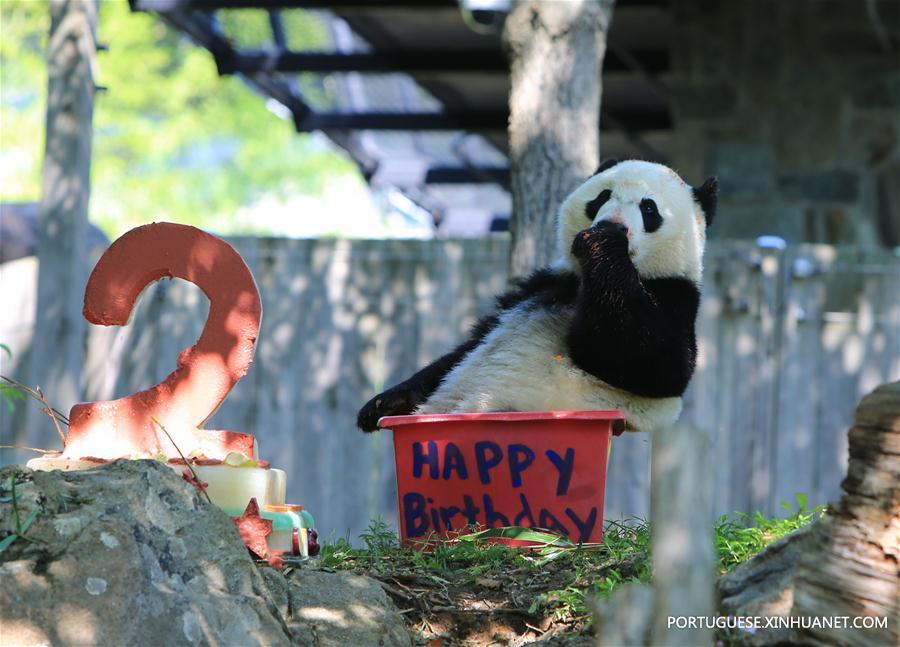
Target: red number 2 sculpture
<point>206,372</point>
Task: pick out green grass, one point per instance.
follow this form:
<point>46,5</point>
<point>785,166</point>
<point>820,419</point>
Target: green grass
<point>19,528</point>
<point>740,536</point>
<point>555,580</point>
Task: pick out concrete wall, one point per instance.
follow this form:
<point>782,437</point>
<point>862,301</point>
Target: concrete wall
<point>796,107</point>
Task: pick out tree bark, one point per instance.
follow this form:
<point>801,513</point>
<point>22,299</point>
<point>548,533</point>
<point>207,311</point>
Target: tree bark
<point>852,563</point>
<point>556,54</point>
<point>57,353</point>
<point>847,564</point>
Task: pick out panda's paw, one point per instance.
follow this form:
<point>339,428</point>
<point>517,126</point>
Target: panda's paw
<point>601,240</point>
<point>583,245</point>
<point>397,401</point>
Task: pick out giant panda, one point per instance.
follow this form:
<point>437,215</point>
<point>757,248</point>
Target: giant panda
<point>609,325</point>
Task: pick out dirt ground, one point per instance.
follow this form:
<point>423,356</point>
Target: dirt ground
<point>509,606</point>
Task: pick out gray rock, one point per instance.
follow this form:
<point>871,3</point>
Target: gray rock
<point>127,554</point>
<point>328,609</point>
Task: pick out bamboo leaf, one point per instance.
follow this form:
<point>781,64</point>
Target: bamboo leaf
<point>520,534</point>
<point>31,517</point>
<point>7,542</point>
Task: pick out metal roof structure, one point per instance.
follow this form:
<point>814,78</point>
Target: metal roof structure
<point>416,90</point>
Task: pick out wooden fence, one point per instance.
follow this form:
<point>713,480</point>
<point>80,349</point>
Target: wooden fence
<point>789,341</point>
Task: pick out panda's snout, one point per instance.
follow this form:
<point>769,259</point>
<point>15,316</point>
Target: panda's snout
<point>619,224</point>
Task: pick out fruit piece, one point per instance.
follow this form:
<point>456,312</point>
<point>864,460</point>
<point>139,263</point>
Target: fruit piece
<point>313,543</point>
<point>236,459</point>
<point>253,530</point>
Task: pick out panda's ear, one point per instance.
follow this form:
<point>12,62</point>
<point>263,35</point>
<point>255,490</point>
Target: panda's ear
<point>606,165</point>
<point>707,196</point>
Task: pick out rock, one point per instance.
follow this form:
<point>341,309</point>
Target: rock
<point>127,554</point>
<point>325,609</point>
<point>764,587</point>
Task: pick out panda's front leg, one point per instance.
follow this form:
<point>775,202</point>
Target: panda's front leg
<point>403,398</point>
<point>399,400</point>
<point>634,334</point>
<point>613,314</point>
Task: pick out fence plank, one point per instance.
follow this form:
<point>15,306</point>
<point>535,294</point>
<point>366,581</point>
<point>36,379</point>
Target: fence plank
<point>739,381</point>
<point>795,456</point>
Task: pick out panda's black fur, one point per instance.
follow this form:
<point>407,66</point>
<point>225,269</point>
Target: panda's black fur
<point>616,344</point>
<point>630,337</point>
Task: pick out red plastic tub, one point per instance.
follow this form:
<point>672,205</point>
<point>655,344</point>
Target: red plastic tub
<point>543,470</point>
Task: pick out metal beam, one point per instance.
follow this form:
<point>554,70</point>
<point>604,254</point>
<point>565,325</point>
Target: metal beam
<point>466,175</point>
<point>248,62</point>
<point>472,120</point>
<point>411,62</point>
<point>277,26</point>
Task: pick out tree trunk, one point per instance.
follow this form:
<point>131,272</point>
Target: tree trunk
<point>847,564</point>
<point>852,563</point>
<point>556,54</point>
<point>57,352</point>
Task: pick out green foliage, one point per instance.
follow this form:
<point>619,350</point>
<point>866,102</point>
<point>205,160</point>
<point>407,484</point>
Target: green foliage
<point>740,536</point>
<point>19,527</point>
<point>12,390</point>
<point>10,395</point>
<point>172,140</point>
<point>250,28</point>
<point>623,556</point>
<point>23,80</point>
<point>8,392</point>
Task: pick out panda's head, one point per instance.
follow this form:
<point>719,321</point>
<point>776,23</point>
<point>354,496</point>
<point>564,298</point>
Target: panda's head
<point>666,218</point>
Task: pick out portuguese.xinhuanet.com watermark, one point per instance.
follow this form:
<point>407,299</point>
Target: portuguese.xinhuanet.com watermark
<point>755,623</point>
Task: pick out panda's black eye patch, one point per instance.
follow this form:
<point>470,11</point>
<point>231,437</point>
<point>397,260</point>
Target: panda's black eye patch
<point>650,214</point>
<point>592,207</point>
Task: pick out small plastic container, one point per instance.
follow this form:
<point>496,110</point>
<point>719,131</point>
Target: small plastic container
<point>231,488</point>
<point>289,529</point>
<point>540,470</point>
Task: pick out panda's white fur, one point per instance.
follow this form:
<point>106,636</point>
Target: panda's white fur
<point>675,249</point>
<point>523,363</point>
